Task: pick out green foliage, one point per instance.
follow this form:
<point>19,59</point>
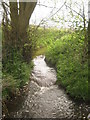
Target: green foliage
<point>66,54</point>
<point>16,63</point>
<point>9,85</point>
<point>46,36</point>
<point>16,74</point>
<point>40,51</point>
<point>74,77</point>
<point>30,43</point>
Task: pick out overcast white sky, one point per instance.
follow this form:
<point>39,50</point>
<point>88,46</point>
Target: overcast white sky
<point>42,12</point>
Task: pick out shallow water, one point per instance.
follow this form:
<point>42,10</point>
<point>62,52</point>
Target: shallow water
<point>47,100</point>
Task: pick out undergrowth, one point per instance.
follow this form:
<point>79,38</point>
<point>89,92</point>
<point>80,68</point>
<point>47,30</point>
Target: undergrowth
<point>16,74</point>
<point>67,55</point>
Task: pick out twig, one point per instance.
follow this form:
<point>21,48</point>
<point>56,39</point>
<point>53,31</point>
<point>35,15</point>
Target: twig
<point>45,6</point>
<point>6,4</point>
<point>58,10</point>
<point>74,10</point>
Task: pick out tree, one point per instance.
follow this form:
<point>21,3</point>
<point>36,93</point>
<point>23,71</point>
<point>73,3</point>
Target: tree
<point>20,18</point>
<point>15,26</point>
<point>89,34</point>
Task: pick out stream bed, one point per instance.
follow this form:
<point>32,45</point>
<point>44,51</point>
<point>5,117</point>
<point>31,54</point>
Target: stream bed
<point>47,100</point>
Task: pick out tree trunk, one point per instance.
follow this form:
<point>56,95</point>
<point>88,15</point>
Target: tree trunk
<point>20,20</point>
<point>16,34</point>
<point>25,12</point>
<point>89,42</point>
<point>14,23</point>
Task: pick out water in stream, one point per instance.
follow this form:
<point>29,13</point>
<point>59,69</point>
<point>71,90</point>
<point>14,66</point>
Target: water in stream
<point>47,100</point>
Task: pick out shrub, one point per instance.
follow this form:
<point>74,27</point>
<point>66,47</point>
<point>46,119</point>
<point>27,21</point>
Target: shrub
<point>66,55</point>
<point>16,73</point>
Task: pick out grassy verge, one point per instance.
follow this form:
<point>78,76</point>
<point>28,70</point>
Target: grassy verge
<point>67,55</point>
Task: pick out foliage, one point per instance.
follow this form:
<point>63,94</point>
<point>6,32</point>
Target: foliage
<point>9,85</point>
<point>46,36</point>
<point>16,74</point>
<point>67,55</point>
<point>40,51</point>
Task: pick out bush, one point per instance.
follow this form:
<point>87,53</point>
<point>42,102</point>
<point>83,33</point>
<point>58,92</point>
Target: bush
<point>66,54</point>
<point>16,74</point>
<point>48,36</point>
<point>9,85</point>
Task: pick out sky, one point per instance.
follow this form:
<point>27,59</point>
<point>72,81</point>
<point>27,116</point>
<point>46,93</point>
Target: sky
<point>45,10</point>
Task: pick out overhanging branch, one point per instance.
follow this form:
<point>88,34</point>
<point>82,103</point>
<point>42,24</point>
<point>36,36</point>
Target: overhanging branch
<point>74,10</point>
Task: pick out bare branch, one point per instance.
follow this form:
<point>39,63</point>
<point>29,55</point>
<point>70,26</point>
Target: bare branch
<point>45,20</point>
<point>45,6</point>
<point>74,10</point>
<point>58,10</point>
<point>6,4</point>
